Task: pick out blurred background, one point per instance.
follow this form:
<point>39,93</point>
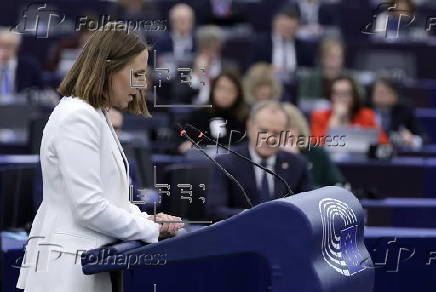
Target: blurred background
<point>210,61</point>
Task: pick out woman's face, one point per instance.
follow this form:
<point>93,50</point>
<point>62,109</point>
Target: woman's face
<point>342,93</point>
<point>225,93</point>
<point>123,91</point>
<point>383,95</point>
<point>263,92</point>
<point>333,58</point>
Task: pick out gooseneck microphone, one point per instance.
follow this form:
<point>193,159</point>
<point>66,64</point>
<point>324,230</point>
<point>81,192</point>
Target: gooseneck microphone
<point>183,133</point>
<point>201,135</point>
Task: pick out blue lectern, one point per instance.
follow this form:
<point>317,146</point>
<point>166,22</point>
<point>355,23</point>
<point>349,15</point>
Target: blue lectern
<point>311,241</point>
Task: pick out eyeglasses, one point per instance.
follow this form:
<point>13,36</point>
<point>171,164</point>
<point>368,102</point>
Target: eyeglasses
<point>342,93</point>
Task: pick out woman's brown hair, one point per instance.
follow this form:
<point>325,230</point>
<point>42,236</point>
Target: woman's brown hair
<point>260,74</point>
<point>239,108</point>
<point>106,52</point>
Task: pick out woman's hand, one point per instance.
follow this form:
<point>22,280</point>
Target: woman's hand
<point>167,229</point>
<point>340,110</point>
<point>407,137</point>
<point>339,116</point>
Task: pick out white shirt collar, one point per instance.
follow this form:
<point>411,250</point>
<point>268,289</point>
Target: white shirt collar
<point>177,36</point>
<point>270,161</point>
<point>258,172</point>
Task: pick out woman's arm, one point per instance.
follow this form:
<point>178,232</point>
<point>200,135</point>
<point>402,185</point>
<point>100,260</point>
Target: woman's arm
<point>77,146</point>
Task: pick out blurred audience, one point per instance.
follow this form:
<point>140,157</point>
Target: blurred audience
<point>315,83</point>
<point>346,111</point>
<point>280,55</point>
<point>323,170</point>
<point>179,42</point>
<point>63,53</point>
<point>17,72</point>
<point>225,120</point>
<point>223,12</point>
<point>146,10</point>
<point>260,84</point>
<point>281,48</point>
<point>310,24</point>
<point>395,116</point>
<point>209,61</point>
<point>267,121</point>
<point>316,16</point>
<point>176,49</point>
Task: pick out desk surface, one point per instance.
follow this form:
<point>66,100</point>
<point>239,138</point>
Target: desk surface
<point>16,240</point>
<point>378,232</point>
<point>425,151</point>
<point>163,158</point>
<point>399,203</point>
<point>397,161</point>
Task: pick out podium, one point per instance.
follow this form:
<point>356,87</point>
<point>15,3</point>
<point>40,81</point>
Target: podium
<point>312,241</point>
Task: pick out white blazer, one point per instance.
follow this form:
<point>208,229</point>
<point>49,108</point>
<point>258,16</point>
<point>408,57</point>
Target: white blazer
<point>85,201</point>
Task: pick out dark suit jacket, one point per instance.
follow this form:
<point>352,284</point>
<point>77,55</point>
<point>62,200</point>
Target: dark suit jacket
<point>263,51</point>
<point>165,44</point>
<point>327,14</point>
<point>28,74</point>
<point>403,116</point>
<point>201,120</point>
<point>225,199</point>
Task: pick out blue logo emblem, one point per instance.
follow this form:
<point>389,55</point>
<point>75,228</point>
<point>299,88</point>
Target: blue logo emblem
<point>339,242</point>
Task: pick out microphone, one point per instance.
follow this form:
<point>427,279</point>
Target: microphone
<point>183,133</point>
<point>202,135</point>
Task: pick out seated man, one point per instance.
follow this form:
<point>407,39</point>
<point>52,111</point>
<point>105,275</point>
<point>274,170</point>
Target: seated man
<point>266,124</point>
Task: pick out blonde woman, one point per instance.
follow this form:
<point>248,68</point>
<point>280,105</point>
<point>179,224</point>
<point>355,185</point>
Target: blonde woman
<point>260,84</point>
<point>85,172</point>
<point>324,171</point>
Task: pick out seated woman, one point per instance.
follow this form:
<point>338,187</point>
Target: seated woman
<point>315,83</point>
<point>225,120</point>
<point>323,170</point>
<point>260,84</point>
<point>346,111</point>
<point>394,116</point>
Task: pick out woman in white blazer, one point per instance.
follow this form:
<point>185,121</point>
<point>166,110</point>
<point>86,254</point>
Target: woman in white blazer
<point>85,172</point>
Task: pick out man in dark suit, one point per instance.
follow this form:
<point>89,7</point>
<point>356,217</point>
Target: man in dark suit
<point>267,122</point>
<point>281,48</point>
<point>179,42</point>
<point>17,73</point>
